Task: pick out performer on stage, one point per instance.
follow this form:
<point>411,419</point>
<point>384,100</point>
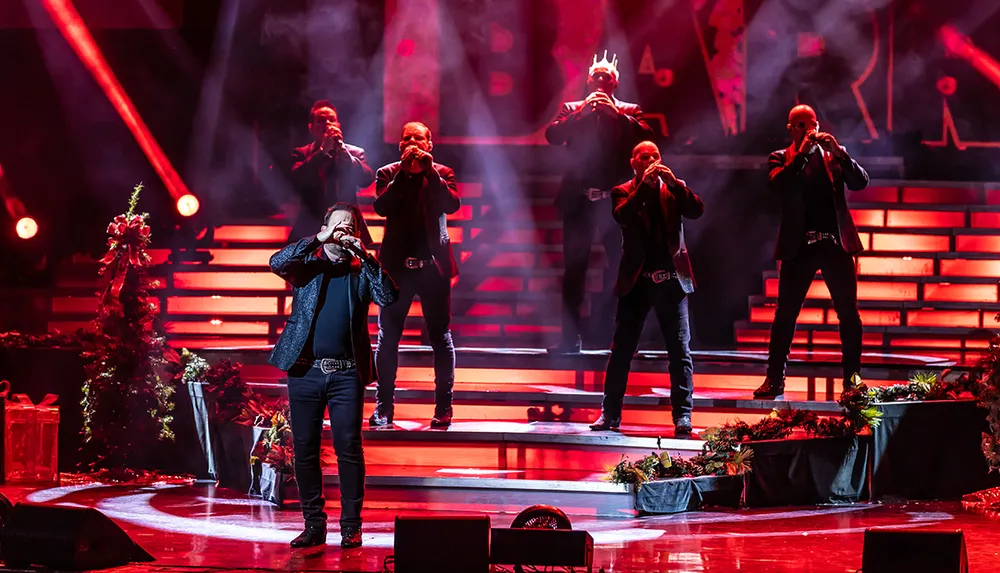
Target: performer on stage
<point>414,195</point>
<point>326,171</point>
<point>655,273</point>
<point>817,233</point>
<point>326,350</point>
<point>598,133</point>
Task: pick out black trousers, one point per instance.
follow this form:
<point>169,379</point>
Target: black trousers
<point>795,277</point>
<point>670,303</point>
<point>583,218</point>
<point>435,299</point>
<point>343,395</point>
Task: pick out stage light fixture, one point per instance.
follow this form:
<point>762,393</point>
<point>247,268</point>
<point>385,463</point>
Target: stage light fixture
<point>26,228</point>
<point>188,205</point>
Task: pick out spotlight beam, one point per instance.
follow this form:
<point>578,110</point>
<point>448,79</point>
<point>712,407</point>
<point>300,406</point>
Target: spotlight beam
<point>67,20</point>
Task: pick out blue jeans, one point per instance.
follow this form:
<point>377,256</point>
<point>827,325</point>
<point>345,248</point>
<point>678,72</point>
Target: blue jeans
<point>670,303</point>
<point>343,395</point>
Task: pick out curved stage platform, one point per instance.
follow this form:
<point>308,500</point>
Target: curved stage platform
<point>196,528</point>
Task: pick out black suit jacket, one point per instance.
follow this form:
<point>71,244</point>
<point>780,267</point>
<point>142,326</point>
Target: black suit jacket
<point>327,180</point>
<point>423,199</point>
<point>787,178</point>
<point>632,203</point>
<point>600,147</point>
<point>301,265</point>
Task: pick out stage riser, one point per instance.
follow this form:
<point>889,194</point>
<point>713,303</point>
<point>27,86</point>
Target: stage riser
<point>510,501</point>
<point>497,456</point>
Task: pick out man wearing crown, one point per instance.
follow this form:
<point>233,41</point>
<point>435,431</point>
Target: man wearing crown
<point>599,133</point>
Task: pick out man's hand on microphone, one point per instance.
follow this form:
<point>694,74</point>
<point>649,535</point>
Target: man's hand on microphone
<point>351,244</point>
<point>333,139</point>
<point>651,177</point>
<point>667,175</point>
<point>809,144</point>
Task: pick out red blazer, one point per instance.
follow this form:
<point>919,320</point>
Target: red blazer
<point>405,199</point>
<point>631,204</point>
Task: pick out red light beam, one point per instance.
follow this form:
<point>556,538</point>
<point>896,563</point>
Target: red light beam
<point>67,20</point>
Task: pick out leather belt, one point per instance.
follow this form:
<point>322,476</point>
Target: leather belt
<point>815,237</point>
<point>415,263</point>
<point>659,276</point>
<point>328,365</point>
<point>595,194</point>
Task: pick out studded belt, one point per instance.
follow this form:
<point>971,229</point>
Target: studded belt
<point>815,237</point>
<point>415,263</point>
<point>328,365</point>
<point>659,276</point>
<point>595,194</point>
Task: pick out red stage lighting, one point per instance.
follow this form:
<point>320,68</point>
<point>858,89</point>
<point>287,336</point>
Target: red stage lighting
<point>188,205</point>
<point>73,29</point>
<point>26,227</point>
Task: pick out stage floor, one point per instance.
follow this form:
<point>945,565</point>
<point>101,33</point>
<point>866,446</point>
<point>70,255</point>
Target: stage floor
<point>198,528</point>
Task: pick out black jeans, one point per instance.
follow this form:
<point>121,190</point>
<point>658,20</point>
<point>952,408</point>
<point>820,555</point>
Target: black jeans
<point>670,303</point>
<point>581,219</point>
<point>795,277</point>
<point>435,299</point>
<point>343,395</point>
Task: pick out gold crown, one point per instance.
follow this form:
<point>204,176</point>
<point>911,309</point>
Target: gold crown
<point>611,67</point>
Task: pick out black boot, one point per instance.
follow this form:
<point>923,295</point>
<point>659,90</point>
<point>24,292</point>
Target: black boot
<point>311,537</point>
<point>770,390</point>
<point>350,536</point>
<point>381,417</point>
<point>607,422</point>
<point>442,417</point>
<point>682,427</point>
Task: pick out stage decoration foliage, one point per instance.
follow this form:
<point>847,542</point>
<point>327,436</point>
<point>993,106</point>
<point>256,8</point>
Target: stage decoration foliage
<point>55,339</point>
<point>722,454</point>
<point>987,374</point>
<point>226,391</point>
<point>127,396</point>
<point>275,445</point>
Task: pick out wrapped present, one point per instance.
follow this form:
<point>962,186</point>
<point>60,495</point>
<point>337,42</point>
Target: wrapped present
<point>30,441</point>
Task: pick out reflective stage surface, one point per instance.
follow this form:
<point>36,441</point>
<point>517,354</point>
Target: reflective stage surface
<point>191,527</point>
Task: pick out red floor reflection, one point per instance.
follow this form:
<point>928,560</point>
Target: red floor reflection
<point>191,527</point>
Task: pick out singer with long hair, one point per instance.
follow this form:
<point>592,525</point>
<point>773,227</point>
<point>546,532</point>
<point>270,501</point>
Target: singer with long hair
<point>654,274</point>
<point>817,233</point>
<point>326,350</point>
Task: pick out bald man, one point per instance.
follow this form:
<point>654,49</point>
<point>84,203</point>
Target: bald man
<point>816,234</point>
<point>654,273</point>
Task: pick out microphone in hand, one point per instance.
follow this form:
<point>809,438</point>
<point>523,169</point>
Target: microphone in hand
<point>350,243</point>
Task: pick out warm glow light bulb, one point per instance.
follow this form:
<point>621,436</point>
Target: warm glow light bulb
<point>26,228</point>
<point>187,205</point>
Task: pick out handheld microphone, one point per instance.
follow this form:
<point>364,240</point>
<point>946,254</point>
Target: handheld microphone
<point>338,237</point>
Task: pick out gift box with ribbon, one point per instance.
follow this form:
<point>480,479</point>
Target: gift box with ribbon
<point>30,440</point>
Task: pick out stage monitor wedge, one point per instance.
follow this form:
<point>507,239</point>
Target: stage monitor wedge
<point>435,544</point>
<point>69,538</point>
<point>914,551</point>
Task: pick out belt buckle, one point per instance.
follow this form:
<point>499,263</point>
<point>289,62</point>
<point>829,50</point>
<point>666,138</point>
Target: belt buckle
<point>659,276</point>
<point>414,263</point>
<point>595,194</point>
<point>327,365</point>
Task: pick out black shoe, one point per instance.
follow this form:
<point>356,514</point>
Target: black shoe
<point>682,427</point>
<point>770,390</point>
<point>380,418</point>
<point>311,537</point>
<point>350,536</point>
<point>442,418</point>
<point>606,422</point>
<point>567,346</point>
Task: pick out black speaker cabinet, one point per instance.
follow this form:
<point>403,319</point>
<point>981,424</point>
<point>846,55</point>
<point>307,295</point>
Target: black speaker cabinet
<point>541,547</point>
<point>914,551</point>
<point>65,538</point>
<point>435,544</point>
